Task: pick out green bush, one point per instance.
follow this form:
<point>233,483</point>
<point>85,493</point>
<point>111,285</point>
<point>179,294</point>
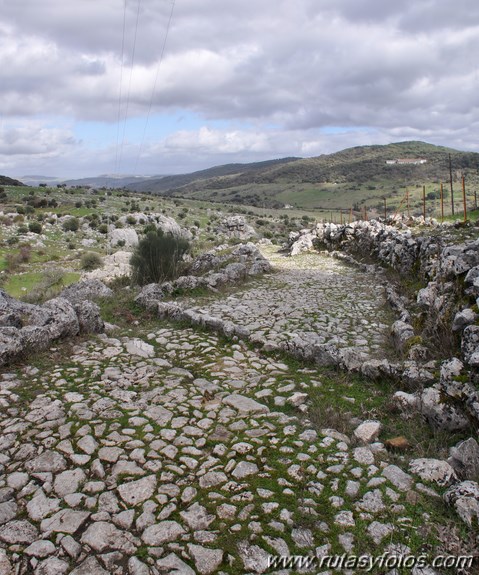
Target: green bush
<point>71,225</point>
<point>35,227</point>
<point>157,258</point>
<point>90,261</point>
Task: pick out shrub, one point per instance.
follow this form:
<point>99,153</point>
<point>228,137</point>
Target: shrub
<point>90,261</point>
<point>157,258</point>
<point>35,227</point>
<point>103,229</point>
<point>131,220</point>
<point>71,225</point>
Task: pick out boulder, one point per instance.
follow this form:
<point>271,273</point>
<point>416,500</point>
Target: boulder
<point>434,470</point>
<point>89,318</point>
<point>401,332</point>
<point>86,289</point>
<point>150,295</point>
<point>463,318</point>
<point>464,458</point>
<point>441,413</point>
<point>464,497</point>
<point>235,227</point>
<point>125,237</point>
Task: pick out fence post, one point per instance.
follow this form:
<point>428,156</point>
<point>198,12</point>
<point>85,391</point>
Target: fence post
<point>385,210</point>
<point>350,215</point>
<point>442,204</point>
<point>450,181</point>
<point>464,197</point>
<point>407,202</point>
<point>424,202</point>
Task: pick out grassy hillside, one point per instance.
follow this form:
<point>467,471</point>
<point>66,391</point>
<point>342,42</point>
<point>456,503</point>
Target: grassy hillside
<point>5,181</point>
<point>353,178</point>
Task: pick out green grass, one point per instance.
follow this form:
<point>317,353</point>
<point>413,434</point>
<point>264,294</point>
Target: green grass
<point>22,284</point>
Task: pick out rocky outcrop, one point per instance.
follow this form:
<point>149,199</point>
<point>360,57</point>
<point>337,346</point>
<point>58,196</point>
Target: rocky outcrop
<point>235,227</point>
<point>87,289</point>
<point>27,328</point>
<point>125,237</point>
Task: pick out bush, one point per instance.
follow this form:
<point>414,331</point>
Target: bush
<point>157,258</point>
<point>90,261</point>
<point>71,225</point>
<point>35,227</point>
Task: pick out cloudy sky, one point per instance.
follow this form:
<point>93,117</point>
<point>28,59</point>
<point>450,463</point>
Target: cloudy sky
<point>89,87</point>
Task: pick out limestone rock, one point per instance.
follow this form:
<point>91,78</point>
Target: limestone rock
<point>255,559</point>
<point>65,521</point>
<point>197,517</point>
<point>136,492</point>
<point>18,532</point>
<point>398,477</point>
<point>86,289</point>
<point>245,405</point>
<point>434,470</point>
<point>89,567</point>
<point>464,458</point>
<point>206,560</point>
<point>103,536</point>
<point>173,565</point>
<point>48,461</point>
<point>162,532</point>
<point>464,497</point>
<point>368,431</point>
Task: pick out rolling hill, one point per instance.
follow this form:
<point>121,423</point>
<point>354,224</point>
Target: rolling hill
<point>362,175</point>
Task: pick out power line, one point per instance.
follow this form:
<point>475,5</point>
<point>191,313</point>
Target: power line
<point>129,84</point>
<point>142,142</point>
<point>117,165</point>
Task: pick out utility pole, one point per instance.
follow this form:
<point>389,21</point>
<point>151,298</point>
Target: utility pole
<point>450,181</point>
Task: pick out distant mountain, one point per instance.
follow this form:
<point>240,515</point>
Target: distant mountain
<point>110,181</point>
<point>176,182</point>
<point>362,174</point>
<point>6,181</point>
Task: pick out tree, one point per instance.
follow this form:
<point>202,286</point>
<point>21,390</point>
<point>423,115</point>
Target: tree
<point>157,257</point>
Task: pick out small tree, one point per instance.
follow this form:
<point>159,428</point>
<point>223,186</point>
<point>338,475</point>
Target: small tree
<point>157,257</point>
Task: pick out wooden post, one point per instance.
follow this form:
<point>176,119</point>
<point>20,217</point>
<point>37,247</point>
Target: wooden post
<point>464,197</point>
<point>475,200</point>
<point>365,214</point>
<point>407,202</point>
<point>385,210</point>
<point>424,201</point>
<point>341,216</point>
<point>350,215</point>
<point>450,181</point>
<point>442,203</point>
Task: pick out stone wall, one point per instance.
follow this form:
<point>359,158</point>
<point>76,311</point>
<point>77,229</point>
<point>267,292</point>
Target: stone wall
<point>443,314</point>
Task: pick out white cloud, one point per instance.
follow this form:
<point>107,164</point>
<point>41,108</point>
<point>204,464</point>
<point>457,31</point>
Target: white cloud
<point>392,67</point>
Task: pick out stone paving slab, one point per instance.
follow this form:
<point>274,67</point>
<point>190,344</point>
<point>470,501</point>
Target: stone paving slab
<point>179,460</point>
<point>316,298</point>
